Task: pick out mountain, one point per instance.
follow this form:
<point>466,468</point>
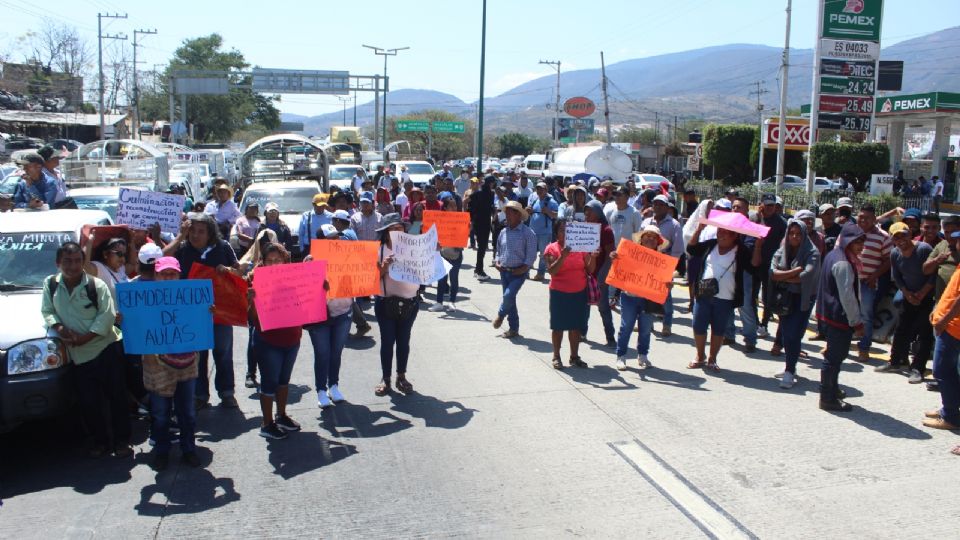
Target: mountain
<point>712,83</point>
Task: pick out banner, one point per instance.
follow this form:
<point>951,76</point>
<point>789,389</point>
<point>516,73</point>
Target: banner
<point>229,295</point>
<point>290,294</point>
<point>736,222</point>
<point>453,228</point>
<point>642,271</point>
<point>582,237</point>
<point>141,209</point>
<point>416,259</point>
<point>161,317</point>
<point>351,266</point>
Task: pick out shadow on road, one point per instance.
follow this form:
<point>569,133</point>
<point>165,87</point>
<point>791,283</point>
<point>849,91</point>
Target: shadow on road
<point>883,424</point>
<point>672,378</point>
<point>434,412</point>
<point>599,376</point>
<point>461,315</point>
<point>304,452</point>
<point>535,345</point>
<point>184,490</point>
<point>215,424</point>
<point>359,421</point>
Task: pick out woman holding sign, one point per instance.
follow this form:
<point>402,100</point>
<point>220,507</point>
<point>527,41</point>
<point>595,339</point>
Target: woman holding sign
<point>396,310</point>
<point>568,294</point>
<point>450,283</point>
<point>277,350</point>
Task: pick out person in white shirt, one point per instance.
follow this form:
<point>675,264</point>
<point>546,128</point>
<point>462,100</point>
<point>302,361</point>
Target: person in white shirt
<point>524,191</point>
<point>462,184</point>
<point>937,193</point>
<point>404,175</point>
<point>387,179</point>
<point>402,201</point>
<point>356,183</point>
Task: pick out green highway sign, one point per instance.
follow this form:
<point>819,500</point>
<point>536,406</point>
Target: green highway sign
<point>412,125</point>
<point>847,86</point>
<point>852,19</point>
<point>448,127</point>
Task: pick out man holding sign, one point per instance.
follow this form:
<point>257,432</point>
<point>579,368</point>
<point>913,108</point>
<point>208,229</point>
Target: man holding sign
<point>516,251</point>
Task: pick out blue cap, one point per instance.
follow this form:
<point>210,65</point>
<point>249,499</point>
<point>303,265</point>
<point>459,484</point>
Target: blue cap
<point>955,234</point>
<point>912,213</point>
<point>445,195</point>
<point>366,196</point>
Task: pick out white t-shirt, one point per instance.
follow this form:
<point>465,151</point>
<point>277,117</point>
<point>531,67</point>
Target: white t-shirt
<point>723,268</point>
<point>938,188</point>
<point>110,277</point>
<point>392,287</point>
<point>402,201</point>
<point>357,183</point>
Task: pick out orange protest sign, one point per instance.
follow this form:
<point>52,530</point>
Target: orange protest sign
<point>642,271</point>
<point>351,266</point>
<point>453,228</point>
<point>229,295</point>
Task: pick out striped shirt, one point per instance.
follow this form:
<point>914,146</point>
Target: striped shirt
<point>876,250</point>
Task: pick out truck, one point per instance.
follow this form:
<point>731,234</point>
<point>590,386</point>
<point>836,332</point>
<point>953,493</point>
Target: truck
<point>599,161</point>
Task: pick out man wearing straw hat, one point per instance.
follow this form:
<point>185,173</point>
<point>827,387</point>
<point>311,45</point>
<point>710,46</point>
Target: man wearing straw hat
<point>516,251</point>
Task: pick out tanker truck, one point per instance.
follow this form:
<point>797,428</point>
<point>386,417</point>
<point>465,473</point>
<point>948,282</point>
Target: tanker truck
<point>599,161</point>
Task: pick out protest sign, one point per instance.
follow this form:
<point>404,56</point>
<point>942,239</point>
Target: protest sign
<point>642,271</point>
<point>736,222</point>
<point>290,294</point>
<point>453,228</point>
<point>416,259</point>
<point>141,209</point>
<point>351,266</point>
<point>582,237</point>
<point>229,294</point>
<point>161,317</point>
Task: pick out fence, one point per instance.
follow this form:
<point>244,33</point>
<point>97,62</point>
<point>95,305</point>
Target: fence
<point>796,199</point>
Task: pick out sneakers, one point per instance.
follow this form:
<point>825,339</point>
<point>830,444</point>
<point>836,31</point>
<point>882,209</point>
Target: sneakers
<point>439,306</point>
<point>643,361</point>
<point>750,348</point>
<point>788,380</point>
<point>452,306</point>
<point>251,381</point>
<point>334,394</point>
<point>229,402</point>
<point>887,368</point>
<point>510,334</point>
<point>666,332</point>
<point>836,405</point>
<point>915,377</point>
<point>498,322</point>
<point>323,400</point>
<point>537,277</point>
<point>362,331</point>
<point>762,332</point>
<point>271,431</point>
<point>611,343</point>
<point>287,424</point>
<point>481,276</point>
<point>174,438</point>
<point>863,356</point>
<point>621,363</point>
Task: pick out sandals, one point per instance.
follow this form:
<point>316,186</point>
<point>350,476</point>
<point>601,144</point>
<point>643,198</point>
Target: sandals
<point>696,364</point>
<point>404,385</point>
<point>712,366</point>
<point>557,364</point>
<point>576,361</point>
<point>776,351</point>
<point>383,388</point>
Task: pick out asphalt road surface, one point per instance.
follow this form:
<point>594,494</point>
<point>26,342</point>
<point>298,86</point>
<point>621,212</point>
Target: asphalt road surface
<point>495,443</point>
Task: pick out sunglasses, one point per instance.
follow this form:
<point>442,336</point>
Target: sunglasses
<point>119,253</point>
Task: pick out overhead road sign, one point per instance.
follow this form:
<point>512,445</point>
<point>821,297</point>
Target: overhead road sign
<point>215,86</point>
<point>412,125</point>
<point>299,81</point>
<point>448,127</point>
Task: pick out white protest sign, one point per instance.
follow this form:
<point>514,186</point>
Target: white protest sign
<point>582,237</point>
<point>141,209</point>
<point>416,259</point>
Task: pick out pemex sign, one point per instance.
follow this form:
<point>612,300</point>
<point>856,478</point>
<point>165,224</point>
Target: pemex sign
<point>852,19</point>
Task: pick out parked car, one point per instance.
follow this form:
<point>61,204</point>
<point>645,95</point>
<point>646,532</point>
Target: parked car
<point>534,165</point>
<point>791,181</point>
<point>420,172</point>
<point>294,197</point>
<point>99,198</point>
<point>342,175</point>
<point>36,380</point>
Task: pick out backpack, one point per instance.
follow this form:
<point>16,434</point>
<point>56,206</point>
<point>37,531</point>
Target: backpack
<point>91,288</point>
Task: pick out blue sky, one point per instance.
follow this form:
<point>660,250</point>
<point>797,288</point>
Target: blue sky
<point>444,36</point>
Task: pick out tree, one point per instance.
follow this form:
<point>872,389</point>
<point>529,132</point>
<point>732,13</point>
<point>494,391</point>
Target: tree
<point>854,161</point>
<point>60,59</point>
<point>727,148</point>
<point>216,118</point>
<point>513,143</point>
<point>638,135</point>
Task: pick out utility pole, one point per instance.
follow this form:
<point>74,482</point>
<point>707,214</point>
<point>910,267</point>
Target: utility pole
<point>759,92</point>
<point>100,38</point>
<point>556,107</point>
<point>483,64</point>
<point>344,100</point>
<point>136,84</point>
<point>783,101</point>
<point>606,105</point>
<point>656,139</point>
<point>385,53</point>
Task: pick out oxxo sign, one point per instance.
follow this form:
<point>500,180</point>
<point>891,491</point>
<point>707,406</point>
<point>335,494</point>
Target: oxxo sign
<point>797,134</point>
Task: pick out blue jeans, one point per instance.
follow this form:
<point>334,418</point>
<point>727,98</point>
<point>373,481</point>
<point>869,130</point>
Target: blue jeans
<point>606,313</point>
<point>711,313</point>
<point>222,361</point>
<point>160,408</point>
<point>543,240</point>
<point>631,312</point>
<point>793,327</point>
<point>328,339</point>
<point>450,283</point>
<point>276,366</point>
<point>393,333</point>
<point>868,307</point>
<point>748,314</point>
<point>945,355</point>
<point>508,306</point>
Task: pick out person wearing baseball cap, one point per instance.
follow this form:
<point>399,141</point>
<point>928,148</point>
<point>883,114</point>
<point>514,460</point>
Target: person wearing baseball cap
<point>366,222</point>
<point>223,209</point>
<point>516,250</point>
<point>828,224</point>
<point>810,220</point>
<point>32,190</point>
<point>147,258</point>
<point>771,217</point>
<point>906,268</point>
<point>272,221</point>
<point>911,217</point>
<point>51,170</point>
<point>945,256</point>
<point>311,220</point>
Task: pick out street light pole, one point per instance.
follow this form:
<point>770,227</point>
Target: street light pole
<point>781,154</point>
<point>100,38</point>
<point>483,64</point>
<point>344,100</point>
<point>136,84</point>
<point>386,88</point>
<point>556,107</point>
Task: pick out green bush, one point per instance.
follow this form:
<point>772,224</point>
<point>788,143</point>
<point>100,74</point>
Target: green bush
<point>727,148</point>
<point>854,161</point>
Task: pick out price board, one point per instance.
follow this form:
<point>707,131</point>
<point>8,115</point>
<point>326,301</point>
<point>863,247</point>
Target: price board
<point>848,86</point>
<point>844,122</point>
<point>846,104</point>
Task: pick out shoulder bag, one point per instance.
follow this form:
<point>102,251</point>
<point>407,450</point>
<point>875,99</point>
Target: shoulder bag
<point>708,288</point>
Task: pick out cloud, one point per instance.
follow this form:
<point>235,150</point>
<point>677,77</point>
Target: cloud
<point>512,80</point>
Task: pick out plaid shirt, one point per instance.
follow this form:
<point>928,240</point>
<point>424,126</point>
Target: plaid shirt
<point>516,247</point>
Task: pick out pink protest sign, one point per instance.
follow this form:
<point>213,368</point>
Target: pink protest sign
<point>736,222</point>
<point>290,294</point>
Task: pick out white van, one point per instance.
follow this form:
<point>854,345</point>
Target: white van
<point>534,165</point>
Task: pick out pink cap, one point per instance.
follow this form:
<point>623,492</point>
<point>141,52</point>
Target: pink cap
<point>166,263</point>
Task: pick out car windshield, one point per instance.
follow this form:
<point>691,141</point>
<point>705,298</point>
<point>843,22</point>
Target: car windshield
<point>341,173</point>
<point>534,165</point>
<point>290,200</point>
<point>419,168</point>
<point>27,258</point>
<point>97,202</point>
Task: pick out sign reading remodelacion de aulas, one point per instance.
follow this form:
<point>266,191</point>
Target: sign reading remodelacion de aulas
<point>852,19</point>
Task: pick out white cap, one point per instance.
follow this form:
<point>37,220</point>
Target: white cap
<point>149,253</point>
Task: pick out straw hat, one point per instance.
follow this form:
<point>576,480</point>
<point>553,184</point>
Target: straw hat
<point>662,243</point>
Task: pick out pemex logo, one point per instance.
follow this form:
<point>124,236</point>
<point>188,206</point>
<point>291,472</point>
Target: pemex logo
<point>887,106</point>
<point>853,6</point>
